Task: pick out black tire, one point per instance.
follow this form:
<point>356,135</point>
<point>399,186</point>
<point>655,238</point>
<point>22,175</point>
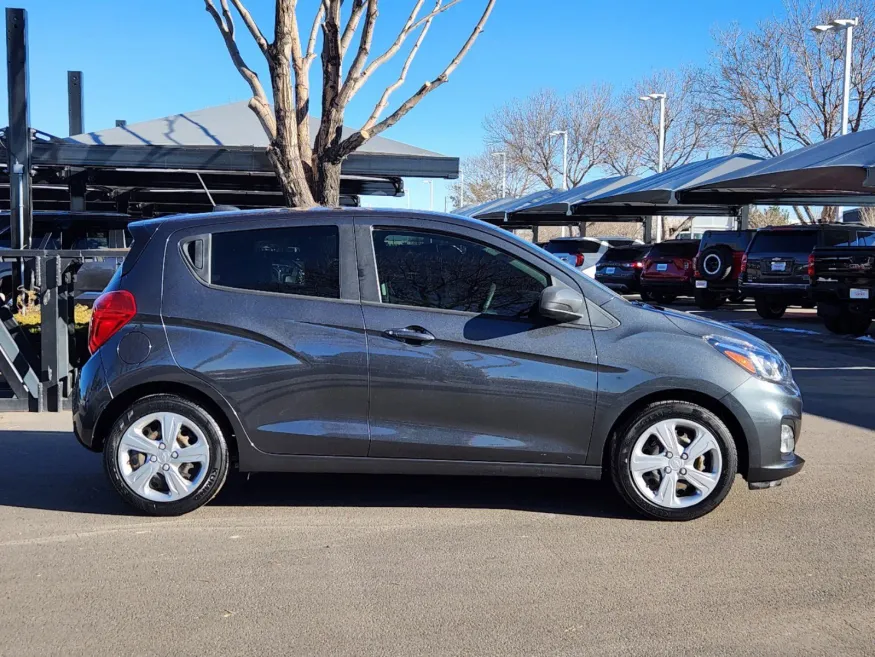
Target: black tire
<point>858,325</point>
<point>217,468</point>
<point>624,441</point>
<point>769,308</point>
<point>738,297</point>
<point>707,300</point>
<point>714,263</point>
<point>663,297</point>
<point>646,296</point>
<point>835,324</point>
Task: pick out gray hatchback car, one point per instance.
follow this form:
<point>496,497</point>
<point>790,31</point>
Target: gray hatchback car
<point>376,341</point>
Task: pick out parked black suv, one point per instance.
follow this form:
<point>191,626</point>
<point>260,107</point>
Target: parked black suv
<point>843,282</point>
<point>379,341</point>
<point>620,268</point>
<point>73,230</point>
<point>775,266</point>
<point>718,267</point>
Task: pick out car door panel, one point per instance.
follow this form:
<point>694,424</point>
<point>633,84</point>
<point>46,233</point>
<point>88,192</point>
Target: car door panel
<point>293,367</point>
<point>485,388</point>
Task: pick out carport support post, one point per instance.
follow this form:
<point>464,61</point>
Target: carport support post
<point>76,116</point>
<point>18,140</point>
<point>55,358</point>
<point>648,230</point>
<point>744,217</point>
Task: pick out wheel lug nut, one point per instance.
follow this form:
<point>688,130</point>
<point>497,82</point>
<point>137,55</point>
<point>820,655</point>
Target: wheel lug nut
<point>161,446</point>
<point>153,458</point>
<point>685,456</point>
<point>668,455</point>
<point>683,471</point>
<point>667,470</point>
<point>165,467</point>
<point>175,455</point>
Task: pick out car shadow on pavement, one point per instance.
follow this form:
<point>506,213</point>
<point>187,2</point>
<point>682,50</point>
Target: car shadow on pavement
<point>49,470</point>
<point>544,495</point>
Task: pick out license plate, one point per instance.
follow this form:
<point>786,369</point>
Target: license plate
<point>661,267</point>
<point>779,266</point>
<point>701,284</point>
<point>857,293</point>
<point>610,270</point>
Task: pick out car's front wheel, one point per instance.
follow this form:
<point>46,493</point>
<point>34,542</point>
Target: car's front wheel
<point>769,308</point>
<point>166,455</point>
<point>674,461</point>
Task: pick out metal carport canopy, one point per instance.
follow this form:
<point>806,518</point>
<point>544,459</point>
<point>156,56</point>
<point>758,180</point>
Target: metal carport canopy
<point>498,211</point>
<point>837,171</point>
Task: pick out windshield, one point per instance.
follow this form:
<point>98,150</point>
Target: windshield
<point>573,246</point>
<point>674,249</point>
<point>625,254</point>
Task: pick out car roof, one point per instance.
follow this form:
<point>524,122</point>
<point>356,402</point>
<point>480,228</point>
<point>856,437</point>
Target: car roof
<point>577,239</point>
<point>792,227</point>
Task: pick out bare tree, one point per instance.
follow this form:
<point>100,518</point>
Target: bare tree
<point>482,179</point>
<point>779,87</point>
<point>867,216</point>
<point>310,174</point>
<point>770,216</point>
<point>522,128</point>
<point>633,127</point>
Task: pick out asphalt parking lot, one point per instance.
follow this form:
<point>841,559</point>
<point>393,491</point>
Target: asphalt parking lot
<point>349,565</point>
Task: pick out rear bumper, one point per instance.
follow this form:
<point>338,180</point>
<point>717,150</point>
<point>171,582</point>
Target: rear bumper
<point>90,398</point>
<point>797,291</point>
<point>677,286</point>
<point>620,283</point>
<point>727,286</point>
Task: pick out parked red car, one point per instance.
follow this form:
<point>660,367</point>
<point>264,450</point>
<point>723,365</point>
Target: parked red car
<point>668,271</point>
<point>717,267</point>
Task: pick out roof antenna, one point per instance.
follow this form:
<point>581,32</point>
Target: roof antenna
<point>209,196</point>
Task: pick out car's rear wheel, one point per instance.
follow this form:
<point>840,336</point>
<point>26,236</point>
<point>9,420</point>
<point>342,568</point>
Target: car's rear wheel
<point>166,455</point>
<point>737,298</point>
<point>769,308</point>
<point>646,296</point>
<point>845,324</point>
<point>674,460</point>
<point>707,300</point>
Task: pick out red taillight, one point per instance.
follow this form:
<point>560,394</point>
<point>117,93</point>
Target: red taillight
<point>743,263</point>
<point>638,265</point>
<point>811,265</point>
<point>111,311</point>
<point>579,261</point>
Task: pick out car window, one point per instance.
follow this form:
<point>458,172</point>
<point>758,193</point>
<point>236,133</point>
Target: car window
<point>790,241</point>
<point>573,246</point>
<point>837,238</point>
<point>864,238</point>
<point>625,253</point>
<point>734,239</point>
<point>300,260</point>
<point>674,249</point>
<point>437,270</point>
<point>91,239</point>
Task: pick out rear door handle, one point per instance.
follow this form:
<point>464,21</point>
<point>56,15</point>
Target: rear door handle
<point>409,334</point>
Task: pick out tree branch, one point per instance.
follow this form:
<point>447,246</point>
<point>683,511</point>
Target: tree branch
<point>361,136</point>
<point>259,103</point>
<point>250,23</point>
<point>362,53</point>
<point>402,76</point>
<point>352,25</point>
<point>314,32</point>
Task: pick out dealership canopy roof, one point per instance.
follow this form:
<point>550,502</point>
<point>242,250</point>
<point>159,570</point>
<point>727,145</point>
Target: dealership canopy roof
<point>499,210</point>
<point>564,202</point>
<point>164,165</point>
<point>837,171</point>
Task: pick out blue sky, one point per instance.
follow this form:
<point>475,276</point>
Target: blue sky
<point>145,59</point>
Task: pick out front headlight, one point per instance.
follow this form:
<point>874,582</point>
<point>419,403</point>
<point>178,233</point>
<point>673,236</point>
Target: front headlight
<point>762,363</point>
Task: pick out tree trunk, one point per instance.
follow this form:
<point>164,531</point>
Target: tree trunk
<point>328,183</point>
<point>581,228</point>
<point>283,149</point>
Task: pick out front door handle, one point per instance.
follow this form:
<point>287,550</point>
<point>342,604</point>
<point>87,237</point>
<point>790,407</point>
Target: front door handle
<point>409,334</point>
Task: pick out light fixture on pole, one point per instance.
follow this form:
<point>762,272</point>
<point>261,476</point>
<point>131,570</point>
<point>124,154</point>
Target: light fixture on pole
<point>848,25</point>
<point>564,134</point>
<point>503,157</point>
<point>661,99</point>
<point>430,184</point>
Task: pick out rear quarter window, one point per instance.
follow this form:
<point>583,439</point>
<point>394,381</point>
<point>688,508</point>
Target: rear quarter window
<point>735,240</point>
<point>573,246</point>
<point>301,260</point>
<point>672,249</point>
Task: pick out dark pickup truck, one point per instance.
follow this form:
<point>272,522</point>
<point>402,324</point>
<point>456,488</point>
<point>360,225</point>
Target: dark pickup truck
<point>843,283</point>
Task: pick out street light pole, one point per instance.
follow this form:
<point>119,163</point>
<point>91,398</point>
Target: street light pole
<point>564,134</point>
<point>661,99</point>
<point>848,25</point>
<point>430,184</point>
<point>503,157</point>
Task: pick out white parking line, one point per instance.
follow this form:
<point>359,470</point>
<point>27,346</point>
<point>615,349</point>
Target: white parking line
<point>832,369</point>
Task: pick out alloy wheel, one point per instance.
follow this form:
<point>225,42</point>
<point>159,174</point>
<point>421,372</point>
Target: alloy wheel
<point>676,463</point>
<point>163,457</point>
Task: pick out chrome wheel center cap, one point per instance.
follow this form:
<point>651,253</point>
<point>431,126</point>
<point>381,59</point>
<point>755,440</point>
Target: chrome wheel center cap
<point>675,464</point>
<point>164,456</point>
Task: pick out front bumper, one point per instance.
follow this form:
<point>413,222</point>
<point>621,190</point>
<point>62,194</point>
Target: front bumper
<point>761,408</point>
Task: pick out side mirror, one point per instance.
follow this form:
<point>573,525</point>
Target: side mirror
<point>561,303</point>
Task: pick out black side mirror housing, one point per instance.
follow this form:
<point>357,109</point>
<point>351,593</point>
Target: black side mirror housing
<point>561,303</point>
